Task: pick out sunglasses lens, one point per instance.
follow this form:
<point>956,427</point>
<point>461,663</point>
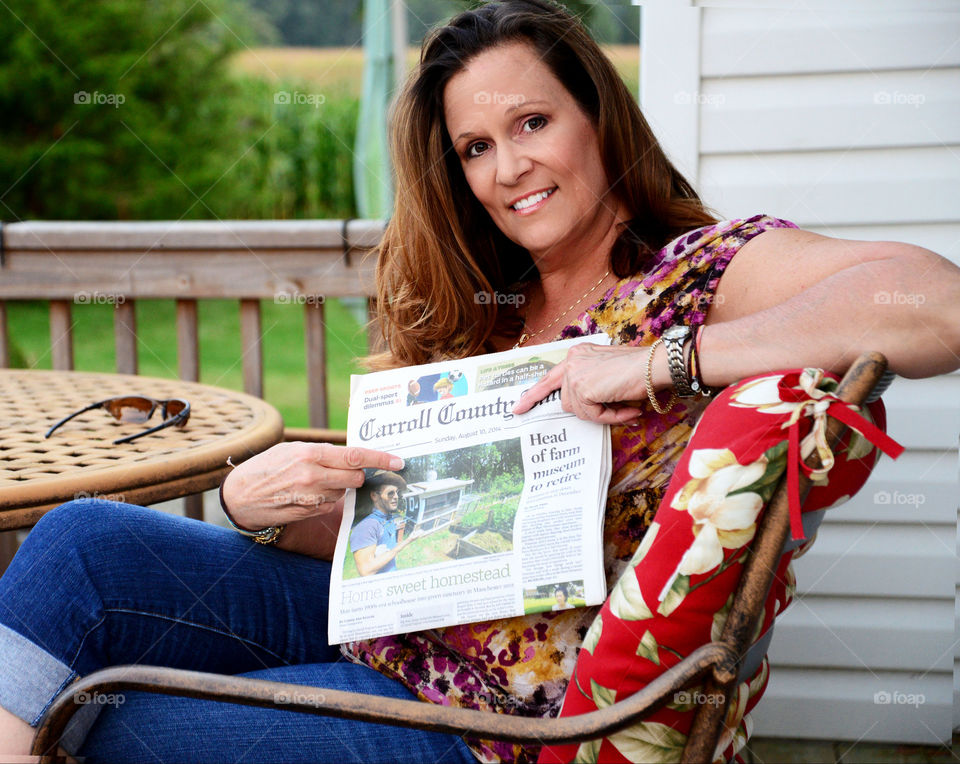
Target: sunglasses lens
<point>130,409</point>
<point>176,408</point>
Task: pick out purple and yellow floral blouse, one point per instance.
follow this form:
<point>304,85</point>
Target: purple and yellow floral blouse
<point>522,665</point>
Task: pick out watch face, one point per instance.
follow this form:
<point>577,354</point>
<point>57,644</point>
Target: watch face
<point>676,332</point>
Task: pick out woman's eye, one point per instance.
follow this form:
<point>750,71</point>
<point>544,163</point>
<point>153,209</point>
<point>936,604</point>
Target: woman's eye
<point>534,123</point>
<point>476,149</point>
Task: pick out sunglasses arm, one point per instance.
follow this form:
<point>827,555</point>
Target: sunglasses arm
<point>66,419</point>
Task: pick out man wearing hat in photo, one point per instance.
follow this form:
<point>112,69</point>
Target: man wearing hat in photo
<point>374,539</point>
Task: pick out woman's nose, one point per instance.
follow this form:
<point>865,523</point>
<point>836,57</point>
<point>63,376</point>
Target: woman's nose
<point>512,164</point>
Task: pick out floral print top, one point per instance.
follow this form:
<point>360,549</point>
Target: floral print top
<point>522,665</point>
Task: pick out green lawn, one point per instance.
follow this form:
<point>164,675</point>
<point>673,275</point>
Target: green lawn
<point>221,361</point>
<point>545,604</point>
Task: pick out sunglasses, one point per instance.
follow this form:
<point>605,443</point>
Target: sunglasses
<point>136,408</point>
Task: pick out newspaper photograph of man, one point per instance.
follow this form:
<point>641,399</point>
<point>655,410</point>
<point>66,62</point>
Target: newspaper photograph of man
<point>445,506</point>
<point>378,538</point>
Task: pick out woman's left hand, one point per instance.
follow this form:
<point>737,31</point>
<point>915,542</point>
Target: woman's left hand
<point>599,383</point>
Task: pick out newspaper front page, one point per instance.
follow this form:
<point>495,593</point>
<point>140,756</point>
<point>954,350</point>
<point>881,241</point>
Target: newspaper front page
<point>493,515</point>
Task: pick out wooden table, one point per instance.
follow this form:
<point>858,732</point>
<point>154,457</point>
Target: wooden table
<point>79,459</point>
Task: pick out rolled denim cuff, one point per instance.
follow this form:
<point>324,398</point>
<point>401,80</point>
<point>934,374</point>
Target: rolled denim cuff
<point>30,678</point>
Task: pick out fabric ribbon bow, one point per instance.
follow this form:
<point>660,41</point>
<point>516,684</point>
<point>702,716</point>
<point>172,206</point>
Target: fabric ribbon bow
<point>803,390</point>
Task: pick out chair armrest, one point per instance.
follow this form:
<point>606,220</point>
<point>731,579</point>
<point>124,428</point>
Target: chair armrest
<point>373,708</point>
<point>315,435</point>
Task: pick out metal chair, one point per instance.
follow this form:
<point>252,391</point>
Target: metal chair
<point>717,663</point>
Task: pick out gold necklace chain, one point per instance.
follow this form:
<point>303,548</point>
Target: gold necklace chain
<point>524,335</point>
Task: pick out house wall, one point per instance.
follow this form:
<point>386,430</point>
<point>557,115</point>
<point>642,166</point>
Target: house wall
<point>846,122</point>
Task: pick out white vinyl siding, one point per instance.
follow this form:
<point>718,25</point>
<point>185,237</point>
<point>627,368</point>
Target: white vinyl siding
<point>846,122</point>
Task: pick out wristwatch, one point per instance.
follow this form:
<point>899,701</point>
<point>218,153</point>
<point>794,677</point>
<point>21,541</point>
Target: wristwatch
<point>674,337</point>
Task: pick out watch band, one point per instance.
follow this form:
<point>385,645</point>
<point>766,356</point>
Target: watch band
<point>674,338</point>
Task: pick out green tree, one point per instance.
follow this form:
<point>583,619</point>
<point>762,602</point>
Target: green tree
<point>122,109</point>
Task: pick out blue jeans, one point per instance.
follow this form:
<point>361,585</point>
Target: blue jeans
<point>100,583</point>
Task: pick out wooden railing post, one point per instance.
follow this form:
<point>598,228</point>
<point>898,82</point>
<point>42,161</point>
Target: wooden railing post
<point>125,336</point>
<point>188,367</point>
<point>188,346</point>
<point>316,347</point>
<point>251,334</point>
<point>61,335</point>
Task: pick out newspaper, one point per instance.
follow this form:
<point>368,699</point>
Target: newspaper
<point>496,514</point>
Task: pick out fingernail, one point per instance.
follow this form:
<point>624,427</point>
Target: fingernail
<point>396,463</point>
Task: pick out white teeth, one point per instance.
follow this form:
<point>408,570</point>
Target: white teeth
<point>532,199</point>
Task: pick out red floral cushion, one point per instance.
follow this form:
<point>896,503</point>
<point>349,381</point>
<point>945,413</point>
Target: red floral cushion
<point>675,594</point>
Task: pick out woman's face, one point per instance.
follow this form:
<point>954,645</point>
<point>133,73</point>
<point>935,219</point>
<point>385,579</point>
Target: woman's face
<point>560,597</point>
<point>529,153</point>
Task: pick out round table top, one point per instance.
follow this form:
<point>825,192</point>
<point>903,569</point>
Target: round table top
<point>80,459</point>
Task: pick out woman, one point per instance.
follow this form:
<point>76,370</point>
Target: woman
<point>523,167</point>
<point>560,595</point>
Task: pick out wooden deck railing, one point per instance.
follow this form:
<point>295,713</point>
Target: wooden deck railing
<point>295,261</point>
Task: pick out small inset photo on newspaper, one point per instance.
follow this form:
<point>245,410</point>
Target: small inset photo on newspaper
<point>436,387</point>
<point>562,595</point>
<point>441,507</point>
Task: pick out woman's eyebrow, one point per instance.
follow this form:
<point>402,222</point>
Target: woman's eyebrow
<point>510,110</point>
<point>523,105</point>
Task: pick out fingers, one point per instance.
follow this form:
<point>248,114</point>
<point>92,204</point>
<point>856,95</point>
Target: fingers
<point>625,415</point>
<point>598,384</point>
<point>354,457</point>
<point>541,389</point>
<point>336,479</point>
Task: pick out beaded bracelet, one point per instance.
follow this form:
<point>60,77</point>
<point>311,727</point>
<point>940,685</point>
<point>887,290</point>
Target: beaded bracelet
<point>693,369</point>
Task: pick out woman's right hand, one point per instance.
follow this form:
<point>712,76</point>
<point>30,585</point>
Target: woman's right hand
<point>296,481</point>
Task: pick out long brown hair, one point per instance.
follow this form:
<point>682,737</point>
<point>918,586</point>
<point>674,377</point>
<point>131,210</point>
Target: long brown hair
<point>441,255</point>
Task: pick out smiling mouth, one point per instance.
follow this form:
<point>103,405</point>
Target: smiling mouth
<point>533,200</point>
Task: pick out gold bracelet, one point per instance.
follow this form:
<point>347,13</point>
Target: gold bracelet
<point>649,379</point>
